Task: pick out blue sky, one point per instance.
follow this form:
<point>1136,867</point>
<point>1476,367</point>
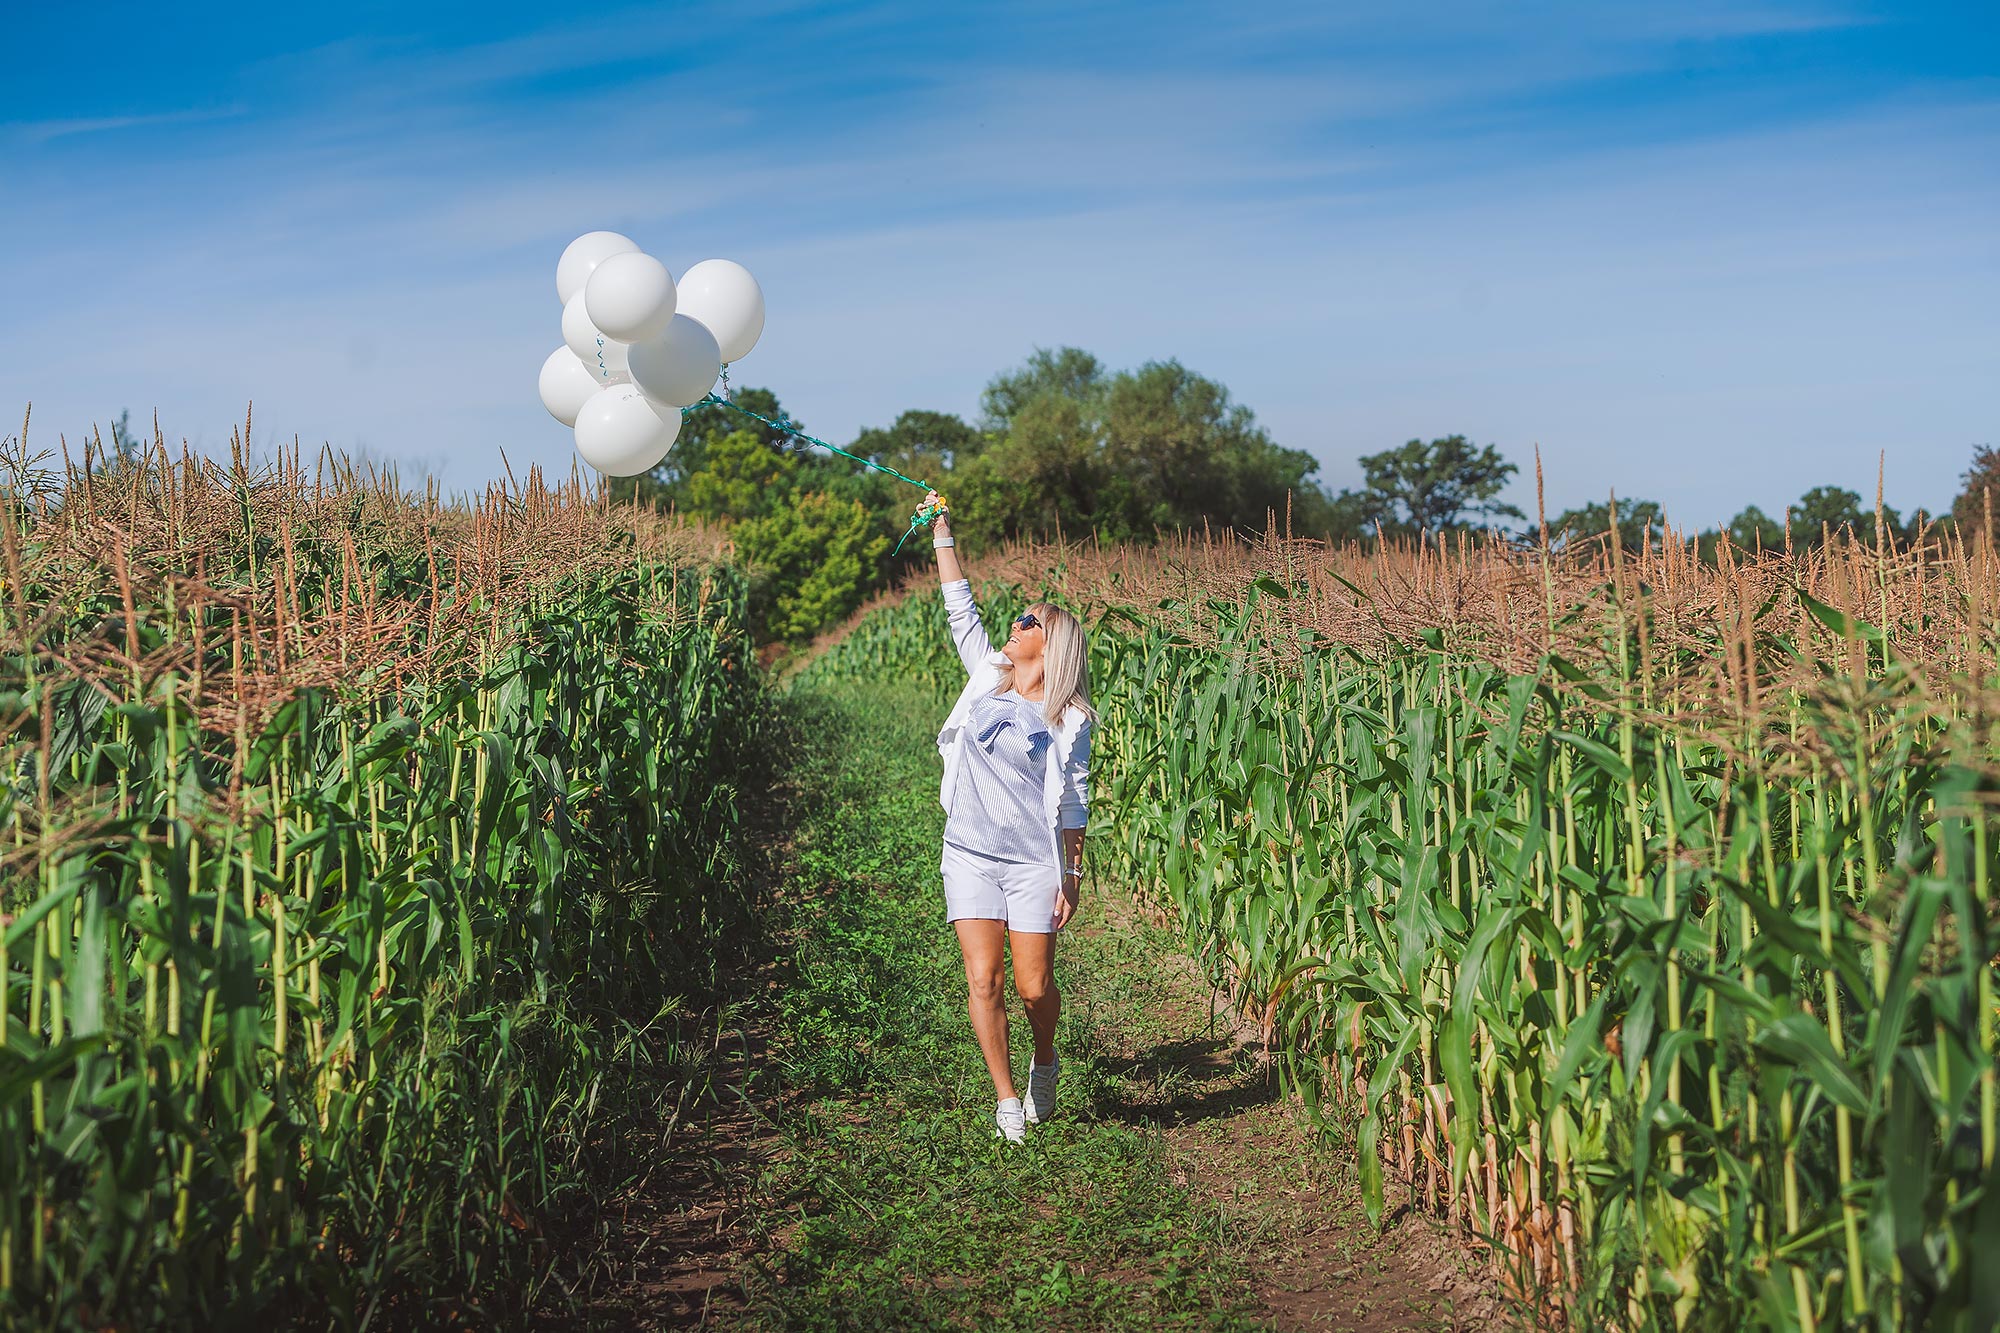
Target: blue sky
<point>1708,253</point>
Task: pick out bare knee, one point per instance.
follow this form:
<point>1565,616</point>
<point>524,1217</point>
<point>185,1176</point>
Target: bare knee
<point>1034,988</point>
<point>985,987</point>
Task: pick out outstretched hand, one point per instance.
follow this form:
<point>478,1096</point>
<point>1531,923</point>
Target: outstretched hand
<point>949,570</point>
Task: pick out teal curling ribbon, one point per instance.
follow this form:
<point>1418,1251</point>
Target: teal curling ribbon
<point>926,514</point>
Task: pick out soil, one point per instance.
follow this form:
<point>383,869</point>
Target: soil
<point>670,1252</point>
<point>669,1255</point>
<point>1319,1264</point>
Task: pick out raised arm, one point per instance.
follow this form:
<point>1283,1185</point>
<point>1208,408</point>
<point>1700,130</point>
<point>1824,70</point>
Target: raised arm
<point>968,635</point>
<point>948,568</point>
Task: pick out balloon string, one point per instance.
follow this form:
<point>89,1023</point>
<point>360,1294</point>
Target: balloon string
<point>924,516</point>
<point>915,519</point>
<point>785,427</point>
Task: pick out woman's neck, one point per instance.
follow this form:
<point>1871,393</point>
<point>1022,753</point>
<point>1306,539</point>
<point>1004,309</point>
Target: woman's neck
<point>1027,682</point>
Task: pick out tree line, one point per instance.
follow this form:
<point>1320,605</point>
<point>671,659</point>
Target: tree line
<point>1063,446</point>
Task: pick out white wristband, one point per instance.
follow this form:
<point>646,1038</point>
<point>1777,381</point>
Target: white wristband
<point>942,542</point>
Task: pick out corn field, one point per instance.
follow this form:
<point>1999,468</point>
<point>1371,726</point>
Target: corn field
<point>348,840</point>
<point>1636,915</point>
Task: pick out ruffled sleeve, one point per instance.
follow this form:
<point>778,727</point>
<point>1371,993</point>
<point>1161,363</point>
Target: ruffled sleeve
<point>968,635</point>
<point>1074,812</point>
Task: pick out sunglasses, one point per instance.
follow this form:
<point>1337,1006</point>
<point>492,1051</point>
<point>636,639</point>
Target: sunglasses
<point>1027,621</point>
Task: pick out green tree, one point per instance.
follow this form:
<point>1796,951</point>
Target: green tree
<point>1066,372</point>
<point>1433,488</point>
<point>928,446</point>
<point>1040,478</point>
<point>1821,512</point>
<point>1351,517</point>
<point>811,562</point>
<point>1182,452</point>
<point>665,484</point>
<point>1754,530</point>
<point>1832,510</point>
<point>1636,520</point>
<point>932,447</point>
<point>116,456</point>
<point>127,445</point>
<point>1980,493</point>
<point>741,477</point>
<point>1827,510</point>
<point>1124,455</point>
<point>730,468</point>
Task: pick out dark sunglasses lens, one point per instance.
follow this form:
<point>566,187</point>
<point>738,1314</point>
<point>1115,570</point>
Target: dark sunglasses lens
<point>1028,621</point>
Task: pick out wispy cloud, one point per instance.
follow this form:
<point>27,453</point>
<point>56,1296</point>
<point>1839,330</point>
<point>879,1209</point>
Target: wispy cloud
<point>1728,20</point>
<point>37,133</point>
<point>1528,232</point>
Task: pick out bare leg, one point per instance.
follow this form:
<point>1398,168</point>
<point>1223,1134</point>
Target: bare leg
<point>1035,982</point>
<point>984,943</point>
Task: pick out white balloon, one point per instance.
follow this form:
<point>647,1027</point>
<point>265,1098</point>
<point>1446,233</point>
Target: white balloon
<point>566,385</point>
<point>724,296</point>
<point>585,253</point>
<point>622,433</point>
<point>612,364</point>
<point>678,366</point>
<point>630,297</point>
<point>579,334</point>
<point>604,358</point>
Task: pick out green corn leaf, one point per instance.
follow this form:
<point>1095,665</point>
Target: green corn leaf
<point>1838,621</point>
<point>1455,1041</point>
<point>1800,1039</point>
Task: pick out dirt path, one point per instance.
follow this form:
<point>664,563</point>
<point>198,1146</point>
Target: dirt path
<point>840,1170</point>
<point>1316,1263</point>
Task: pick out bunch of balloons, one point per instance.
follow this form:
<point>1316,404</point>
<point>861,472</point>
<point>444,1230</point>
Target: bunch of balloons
<point>638,346</point>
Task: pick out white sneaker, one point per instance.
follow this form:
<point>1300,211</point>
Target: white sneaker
<point>1008,1123</point>
<point>1041,1103</point>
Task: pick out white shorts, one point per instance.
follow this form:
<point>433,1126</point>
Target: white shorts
<point>1024,896</point>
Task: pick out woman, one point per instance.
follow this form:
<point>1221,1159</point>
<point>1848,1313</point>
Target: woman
<point>1016,751</point>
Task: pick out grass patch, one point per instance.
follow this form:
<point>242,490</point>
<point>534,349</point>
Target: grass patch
<point>889,1202</point>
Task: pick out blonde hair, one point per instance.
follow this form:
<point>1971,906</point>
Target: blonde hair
<point>1065,663</point>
